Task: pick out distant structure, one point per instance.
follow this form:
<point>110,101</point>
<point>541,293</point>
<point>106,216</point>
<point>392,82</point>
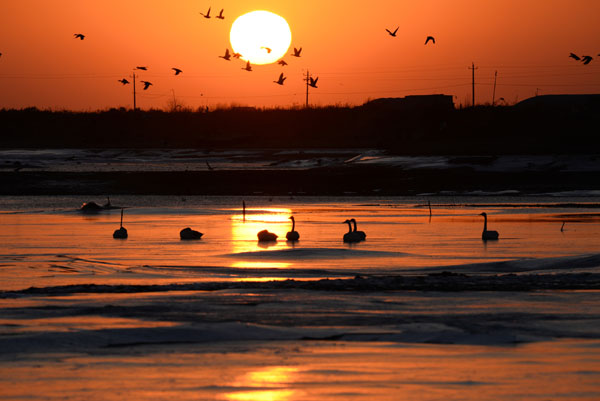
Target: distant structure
<point>413,103</point>
<point>575,103</point>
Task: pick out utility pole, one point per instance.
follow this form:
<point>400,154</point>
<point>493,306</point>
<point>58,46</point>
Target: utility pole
<point>494,93</point>
<point>473,68</point>
<point>307,80</point>
<point>134,105</point>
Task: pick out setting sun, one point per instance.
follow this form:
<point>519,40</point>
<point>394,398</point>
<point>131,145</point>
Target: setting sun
<point>261,37</point>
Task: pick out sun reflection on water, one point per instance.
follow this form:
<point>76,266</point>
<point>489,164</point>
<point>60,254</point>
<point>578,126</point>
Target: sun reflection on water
<point>270,384</point>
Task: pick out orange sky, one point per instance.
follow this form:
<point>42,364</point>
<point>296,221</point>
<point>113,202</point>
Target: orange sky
<point>344,44</point>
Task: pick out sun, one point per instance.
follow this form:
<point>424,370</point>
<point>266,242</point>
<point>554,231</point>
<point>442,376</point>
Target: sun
<point>261,37</point>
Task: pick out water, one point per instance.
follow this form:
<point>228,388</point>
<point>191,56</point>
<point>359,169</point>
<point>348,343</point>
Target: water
<point>141,333</point>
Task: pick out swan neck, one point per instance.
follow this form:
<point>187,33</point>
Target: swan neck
<point>349,227</point>
<point>354,222</point>
<point>293,224</point>
<point>484,223</point>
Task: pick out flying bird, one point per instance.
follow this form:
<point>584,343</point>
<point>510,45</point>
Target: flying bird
<point>220,16</point>
<point>227,56</point>
<point>79,36</point>
<point>430,38</point>
<point>146,84</point>
<point>281,79</point>
<point>268,49</point>
<point>123,81</point>
<point>586,59</point>
<point>392,33</point>
<point>248,67</point>
<point>236,55</point>
<point>297,52</point>
<point>282,63</point>
<point>574,56</point>
<point>207,15</point>
<point>313,82</point>
<point>142,68</point>
<point>177,71</point>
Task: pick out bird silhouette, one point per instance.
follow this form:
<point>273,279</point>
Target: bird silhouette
<point>236,55</point>
<point>227,56</point>
<point>360,234</point>
<point>79,36</point>
<point>574,56</point>
<point>146,84</point>
<point>297,52</point>
<point>141,68</point>
<point>586,60</point>
<point>351,236</point>
<point>282,63</point>
<point>392,33</point>
<point>248,67</point>
<point>189,234</point>
<point>210,168</point>
<point>488,234</point>
<point>266,236</point>
<point>430,38</point>
<point>281,79</point>
<point>293,235</point>
<point>177,71</point>
<point>121,232</point>
<point>313,82</point>
<point>268,49</point>
<point>220,16</point>
<point>123,81</point>
<point>207,15</point>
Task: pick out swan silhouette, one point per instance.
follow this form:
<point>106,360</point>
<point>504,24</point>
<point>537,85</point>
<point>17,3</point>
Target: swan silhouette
<point>268,49</point>
<point>146,84</point>
<point>189,234</point>
<point>297,52</point>
<point>123,81</point>
<point>392,33</point>
<point>293,235</point>
<point>351,236</point>
<point>207,15</point>
<point>141,68</point>
<point>360,234</point>
<point>488,234</point>
<point>282,63</point>
<point>227,55</point>
<point>281,79</point>
<point>120,233</point>
<point>79,36</point>
<point>574,56</point>
<point>220,16</point>
<point>177,71</point>
<point>236,55</point>
<point>266,236</point>
<point>313,82</point>
<point>248,67</point>
<point>430,38</point>
<point>586,60</point>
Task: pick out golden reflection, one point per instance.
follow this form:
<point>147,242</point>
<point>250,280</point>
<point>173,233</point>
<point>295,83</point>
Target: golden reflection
<point>245,228</point>
<point>269,382</point>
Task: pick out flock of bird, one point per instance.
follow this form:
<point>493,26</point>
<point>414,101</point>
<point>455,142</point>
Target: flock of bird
<point>395,32</point>
<point>584,59</point>
<point>352,236</point>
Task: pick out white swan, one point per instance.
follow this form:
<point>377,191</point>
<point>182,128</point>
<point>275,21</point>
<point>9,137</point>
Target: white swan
<point>293,235</point>
<point>488,234</point>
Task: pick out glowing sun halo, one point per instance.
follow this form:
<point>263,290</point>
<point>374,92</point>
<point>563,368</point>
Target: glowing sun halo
<point>261,37</point>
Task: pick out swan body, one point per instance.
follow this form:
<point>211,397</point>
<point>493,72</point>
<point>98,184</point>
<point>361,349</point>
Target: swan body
<point>188,233</point>
<point>120,233</point>
<point>266,236</point>
<point>360,234</point>
<point>488,234</point>
<point>293,235</point>
<point>352,236</point>
<point>281,79</point>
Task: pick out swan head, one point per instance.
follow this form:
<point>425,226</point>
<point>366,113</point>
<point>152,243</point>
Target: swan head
<point>484,214</point>
<point>292,218</point>
<point>346,221</point>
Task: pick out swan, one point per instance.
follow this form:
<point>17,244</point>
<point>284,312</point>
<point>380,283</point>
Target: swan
<point>393,34</point>
<point>177,70</point>
<point>488,234</point>
<point>430,38</point>
<point>121,233</point>
<point>360,234</point>
<point>146,84</point>
<point>266,236</point>
<point>351,236</point>
<point>293,235</point>
<point>188,233</point>
<point>281,79</point>
<point>79,36</point>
